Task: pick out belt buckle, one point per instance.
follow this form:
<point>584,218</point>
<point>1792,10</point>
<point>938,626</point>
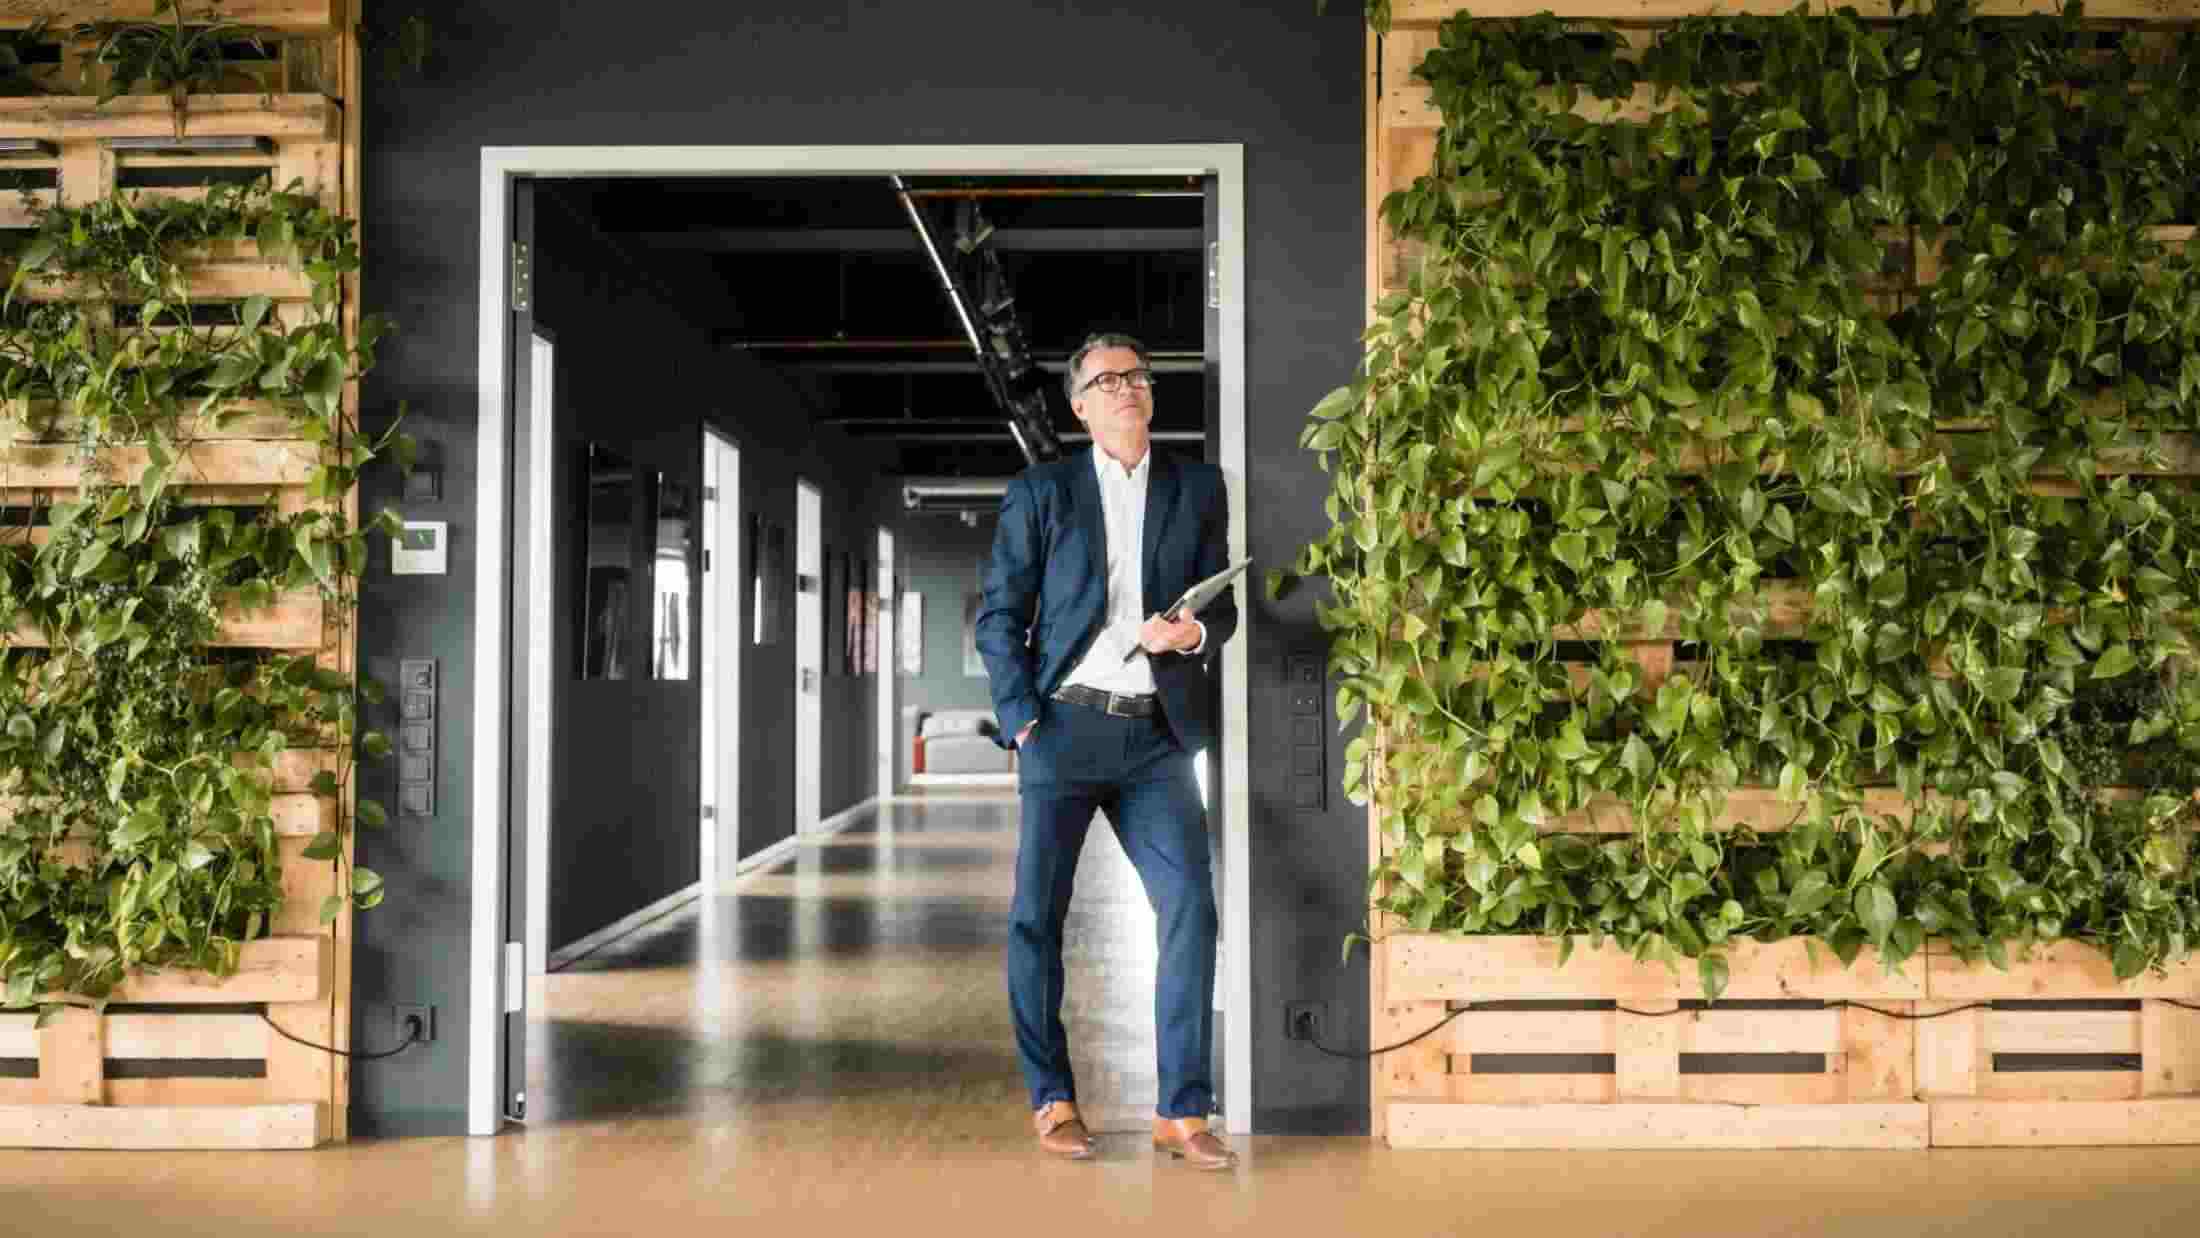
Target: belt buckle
<point>1112,699</point>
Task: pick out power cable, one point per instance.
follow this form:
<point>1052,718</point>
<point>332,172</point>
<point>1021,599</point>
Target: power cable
<point>1663,1014</point>
<point>413,1029</point>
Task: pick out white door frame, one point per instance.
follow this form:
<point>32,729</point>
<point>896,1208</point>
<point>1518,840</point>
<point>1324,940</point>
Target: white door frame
<point>809,656</point>
<point>492,746</point>
<point>882,642</point>
<point>724,647</point>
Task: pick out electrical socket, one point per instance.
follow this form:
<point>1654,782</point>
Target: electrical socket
<point>1303,1020</point>
<point>401,1013</point>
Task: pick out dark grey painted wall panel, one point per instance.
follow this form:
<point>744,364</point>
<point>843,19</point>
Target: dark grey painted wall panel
<point>940,559</point>
<point>1274,77</point>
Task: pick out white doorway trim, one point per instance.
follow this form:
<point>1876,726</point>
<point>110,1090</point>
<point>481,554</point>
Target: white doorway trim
<point>879,657</point>
<point>492,746</point>
<point>724,647</point>
<point>809,655</point>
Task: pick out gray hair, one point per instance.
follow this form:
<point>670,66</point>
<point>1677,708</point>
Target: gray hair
<point>1093,342</point>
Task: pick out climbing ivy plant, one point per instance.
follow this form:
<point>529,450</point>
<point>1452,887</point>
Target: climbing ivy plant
<point>136,825</point>
<point>1650,379</point>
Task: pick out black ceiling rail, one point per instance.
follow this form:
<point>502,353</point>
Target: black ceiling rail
<point>1019,385</point>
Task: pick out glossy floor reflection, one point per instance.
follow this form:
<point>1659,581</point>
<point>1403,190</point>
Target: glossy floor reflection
<point>861,981</point>
<point>824,1049</point>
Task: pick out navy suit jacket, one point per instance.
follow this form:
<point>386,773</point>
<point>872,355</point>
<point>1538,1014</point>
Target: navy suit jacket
<point>1046,586</point>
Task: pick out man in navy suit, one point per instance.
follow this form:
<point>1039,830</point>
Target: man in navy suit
<point>1108,701</point>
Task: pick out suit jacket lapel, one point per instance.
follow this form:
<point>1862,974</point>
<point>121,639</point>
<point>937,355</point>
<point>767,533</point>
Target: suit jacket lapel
<point>1160,502</point>
<point>1091,513</point>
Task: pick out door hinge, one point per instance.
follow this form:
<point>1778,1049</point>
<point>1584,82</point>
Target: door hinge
<point>706,560</point>
<point>710,494</point>
<point>1214,275</point>
<point>515,977</point>
<point>523,278</point>
<point>710,812</point>
<point>516,1108</point>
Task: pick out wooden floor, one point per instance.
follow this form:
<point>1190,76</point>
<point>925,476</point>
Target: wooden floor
<point>828,1043</point>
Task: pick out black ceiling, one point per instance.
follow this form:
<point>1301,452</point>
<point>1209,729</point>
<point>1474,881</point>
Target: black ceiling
<point>829,284</point>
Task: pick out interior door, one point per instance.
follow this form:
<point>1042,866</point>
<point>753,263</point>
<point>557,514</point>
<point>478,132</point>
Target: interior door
<point>722,646</point>
<point>532,367</point>
<point>1210,762</point>
<point>878,660</point>
<point>809,657</point>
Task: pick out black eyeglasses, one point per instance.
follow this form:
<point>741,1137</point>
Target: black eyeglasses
<point>1112,381</point>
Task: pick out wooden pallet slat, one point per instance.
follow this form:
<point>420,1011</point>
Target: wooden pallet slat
<point>2064,969</point>
<point>1408,14</point>
<point>272,969</point>
<point>18,1035</point>
<point>72,1052</point>
<point>71,119</point>
<point>2058,1124</point>
<point>288,16</point>
<point>294,621</point>
<point>1620,1127</point>
<point>1426,967</point>
<point>192,1037</point>
<point>224,281</point>
<point>158,1128</point>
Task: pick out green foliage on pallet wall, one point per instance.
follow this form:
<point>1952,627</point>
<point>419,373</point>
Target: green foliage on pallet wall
<point>135,757</point>
<point>1641,372</point>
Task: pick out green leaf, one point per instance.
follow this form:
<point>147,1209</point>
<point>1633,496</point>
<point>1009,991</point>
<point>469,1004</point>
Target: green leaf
<point>2115,660</point>
<point>332,907</point>
<point>1875,910</point>
<point>1969,337</point>
<point>233,371</point>
<point>1712,969</point>
<point>323,847</point>
<point>2002,684</point>
<point>371,813</point>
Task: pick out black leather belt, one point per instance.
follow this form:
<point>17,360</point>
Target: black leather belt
<point>1113,704</point>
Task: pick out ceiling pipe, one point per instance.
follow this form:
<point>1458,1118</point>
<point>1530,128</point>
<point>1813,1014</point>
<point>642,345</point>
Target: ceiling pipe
<point>939,267</point>
<point>1054,192</point>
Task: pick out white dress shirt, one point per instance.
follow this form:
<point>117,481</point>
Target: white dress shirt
<point>1123,504</point>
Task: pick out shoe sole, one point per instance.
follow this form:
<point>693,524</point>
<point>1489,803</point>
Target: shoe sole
<point>1203,1166</point>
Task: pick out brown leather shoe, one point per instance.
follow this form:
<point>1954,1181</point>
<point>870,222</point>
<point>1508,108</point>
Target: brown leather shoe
<point>1061,1132</point>
<point>1189,1140</point>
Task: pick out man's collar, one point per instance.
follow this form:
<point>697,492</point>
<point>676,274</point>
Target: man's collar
<point>1109,468</point>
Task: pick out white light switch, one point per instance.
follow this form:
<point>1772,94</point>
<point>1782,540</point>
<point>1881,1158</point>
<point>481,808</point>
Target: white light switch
<point>421,549</point>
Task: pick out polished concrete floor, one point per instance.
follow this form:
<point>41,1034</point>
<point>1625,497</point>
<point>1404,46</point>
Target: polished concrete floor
<point>827,1045</point>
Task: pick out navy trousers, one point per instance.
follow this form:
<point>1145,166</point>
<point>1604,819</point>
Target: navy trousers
<point>1077,762</point>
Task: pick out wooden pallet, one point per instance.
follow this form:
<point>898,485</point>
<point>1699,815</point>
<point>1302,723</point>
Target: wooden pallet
<point>1592,1054</point>
<point>152,1072</point>
<point>200,1068</point>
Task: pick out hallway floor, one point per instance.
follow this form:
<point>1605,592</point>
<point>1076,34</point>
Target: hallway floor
<point>827,1044</point>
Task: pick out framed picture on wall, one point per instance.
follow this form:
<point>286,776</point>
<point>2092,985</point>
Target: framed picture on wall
<point>828,582</point>
<point>852,608</point>
<point>771,577</point>
<point>871,614</point>
<point>910,613</point>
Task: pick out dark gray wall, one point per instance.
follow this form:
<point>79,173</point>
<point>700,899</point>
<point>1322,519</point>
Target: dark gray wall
<point>623,828</point>
<point>940,559</point>
<point>1272,76</point>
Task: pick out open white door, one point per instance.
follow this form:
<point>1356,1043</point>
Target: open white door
<point>722,646</point>
<point>809,656</point>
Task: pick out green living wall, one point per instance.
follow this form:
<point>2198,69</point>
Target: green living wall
<point>1851,366</point>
